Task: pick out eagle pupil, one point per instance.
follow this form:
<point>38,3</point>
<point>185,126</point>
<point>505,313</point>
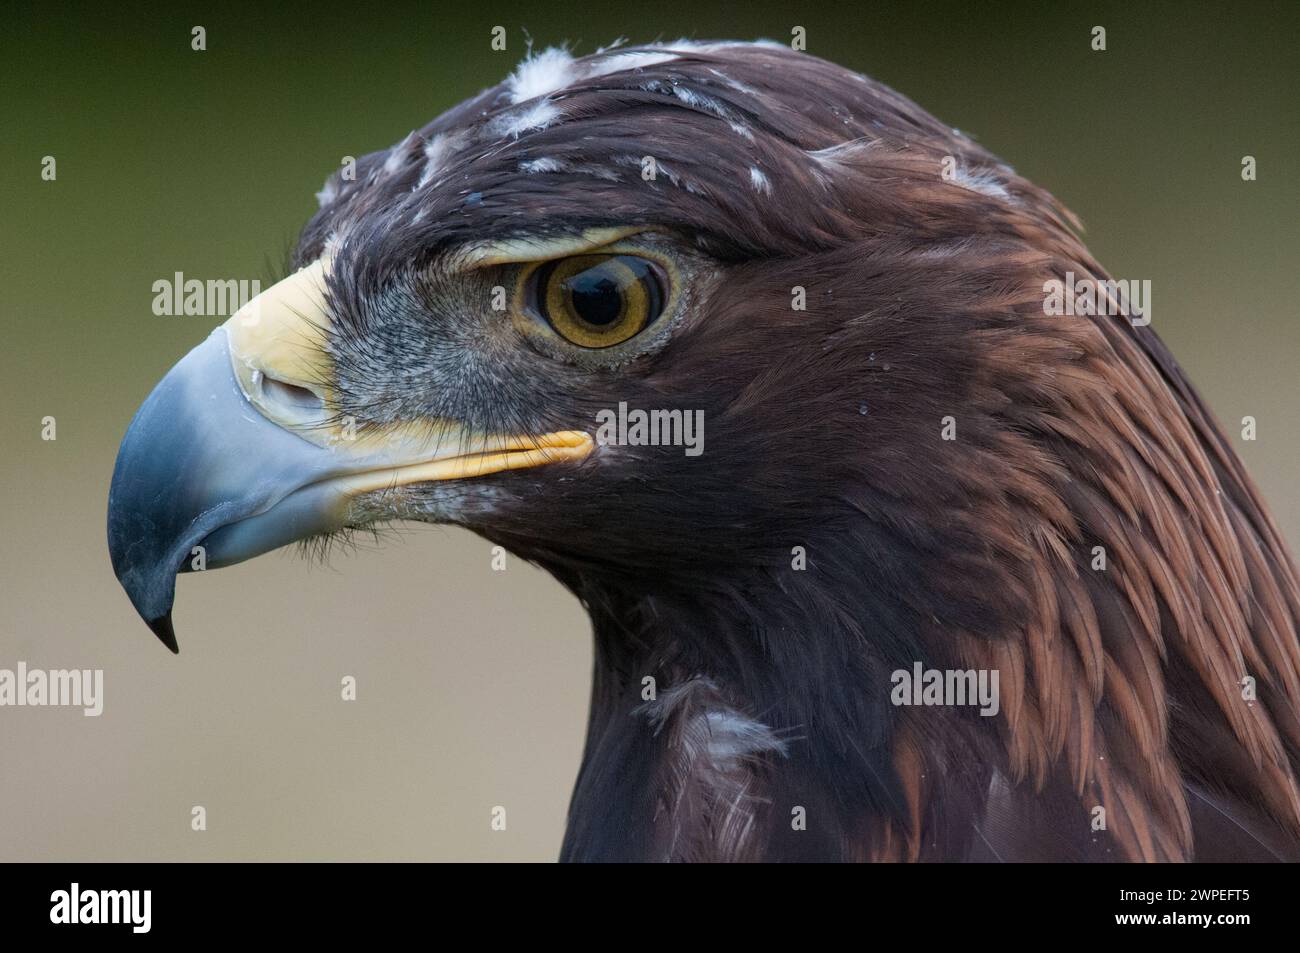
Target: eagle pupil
<point>596,298</point>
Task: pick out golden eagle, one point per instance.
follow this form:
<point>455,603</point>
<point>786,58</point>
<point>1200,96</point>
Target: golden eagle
<point>916,462</point>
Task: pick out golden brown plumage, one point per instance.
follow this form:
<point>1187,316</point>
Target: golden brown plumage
<point>925,262</point>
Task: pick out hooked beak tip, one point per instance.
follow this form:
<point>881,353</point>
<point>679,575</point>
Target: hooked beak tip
<point>162,627</point>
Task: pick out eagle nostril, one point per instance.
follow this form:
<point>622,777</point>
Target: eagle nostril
<point>289,395</point>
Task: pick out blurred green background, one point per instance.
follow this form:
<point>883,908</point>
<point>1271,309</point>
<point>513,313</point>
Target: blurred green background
<point>473,684</point>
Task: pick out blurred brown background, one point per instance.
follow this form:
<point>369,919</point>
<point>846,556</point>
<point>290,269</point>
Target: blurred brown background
<point>473,683</point>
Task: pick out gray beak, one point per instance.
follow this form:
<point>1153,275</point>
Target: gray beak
<point>201,467</point>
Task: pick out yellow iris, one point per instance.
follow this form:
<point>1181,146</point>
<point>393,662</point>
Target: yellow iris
<point>597,301</point>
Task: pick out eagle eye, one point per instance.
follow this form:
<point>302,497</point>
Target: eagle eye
<point>597,301</point>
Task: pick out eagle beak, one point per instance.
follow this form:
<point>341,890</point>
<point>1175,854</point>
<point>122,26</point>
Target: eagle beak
<point>236,451</point>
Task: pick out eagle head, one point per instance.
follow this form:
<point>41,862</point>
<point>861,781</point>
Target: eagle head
<point>757,358</point>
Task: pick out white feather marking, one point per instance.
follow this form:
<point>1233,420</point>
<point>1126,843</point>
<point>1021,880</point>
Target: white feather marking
<point>619,61</point>
<point>730,736</point>
<point>689,46</point>
<point>733,738</point>
<point>690,97</point>
<point>537,116</point>
<point>598,172</point>
<point>735,84</point>
<point>986,183</point>
<point>437,152</point>
<point>544,164</point>
<point>398,155</point>
<point>329,192</point>
<point>716,761</point>
<point>540,74</point>
<point>833,155</point>
<point>698,100</point>
<point>554,68</point>
<point>759,181</point>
